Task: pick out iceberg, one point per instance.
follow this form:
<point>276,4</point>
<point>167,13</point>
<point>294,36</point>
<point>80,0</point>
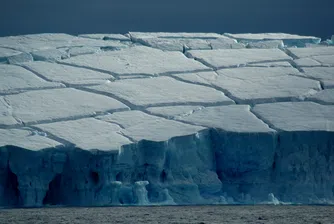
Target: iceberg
<point>165,119</point>
<point>288,39</point>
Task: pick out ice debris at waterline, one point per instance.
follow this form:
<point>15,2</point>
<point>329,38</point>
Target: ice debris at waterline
<point>166,118</point>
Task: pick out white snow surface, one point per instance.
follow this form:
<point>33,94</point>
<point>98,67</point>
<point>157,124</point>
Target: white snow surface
<point>165,118</point>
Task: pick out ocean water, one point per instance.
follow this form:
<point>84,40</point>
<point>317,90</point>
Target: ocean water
<point>172,214</point>
<point>303,17</point>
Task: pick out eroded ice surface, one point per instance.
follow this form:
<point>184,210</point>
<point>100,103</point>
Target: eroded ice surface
<point>188,118</point>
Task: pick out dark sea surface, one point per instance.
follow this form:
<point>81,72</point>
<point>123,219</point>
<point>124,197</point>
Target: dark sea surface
<point>303,17</point>
<point>172,214</point>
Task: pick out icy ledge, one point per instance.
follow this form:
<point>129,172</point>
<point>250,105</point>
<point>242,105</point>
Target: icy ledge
<point>165,119</point>
<point>296,167</point>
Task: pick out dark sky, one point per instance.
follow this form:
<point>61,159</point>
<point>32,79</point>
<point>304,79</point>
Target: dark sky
<point>119,16</point>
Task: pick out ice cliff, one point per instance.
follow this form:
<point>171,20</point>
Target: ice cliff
<point>166,118</point>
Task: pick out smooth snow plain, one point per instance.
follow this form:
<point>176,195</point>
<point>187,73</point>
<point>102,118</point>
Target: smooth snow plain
<point>166,119</point>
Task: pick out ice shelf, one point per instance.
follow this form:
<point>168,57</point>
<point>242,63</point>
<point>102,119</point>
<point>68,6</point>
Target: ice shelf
<point>165,119</point>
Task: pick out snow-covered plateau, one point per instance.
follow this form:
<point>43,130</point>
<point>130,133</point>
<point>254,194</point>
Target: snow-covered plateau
<point>166,118</point>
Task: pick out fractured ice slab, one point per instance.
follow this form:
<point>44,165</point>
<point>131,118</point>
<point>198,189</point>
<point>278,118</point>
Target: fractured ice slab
<point>34,42</point>
<point>162,91</point>
<point>142,126</point>
<point>88,134</point>
<point>136,35</point>
<point>266,44</point>
<point>324,74</point>
<point>233,118</point>
<point>177,44</point>
<point>310,52</point>
<point>197,77</point>
<point>225,43</point>
<point>235,57</point>
<point>75,51</point>
<point>171,112</point>
<point>16,79</point>
<point>326,96</point>
<point>184,43</point>
<point>67,74</point>
<point>289,39</point>
<point>5,52</point>
<point>255,85</point>
<point>297,116</point>
<point>101,36</point>
<point>6,114</point>
<point>137,60</point>
<point>325,60</point>
<point>26,139</point>
<point>51,55</point>
<point>306,62</point>
<point>58,104</point>
<point>321,60</point>
<point>271,64</point>
<point>18,59</point>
